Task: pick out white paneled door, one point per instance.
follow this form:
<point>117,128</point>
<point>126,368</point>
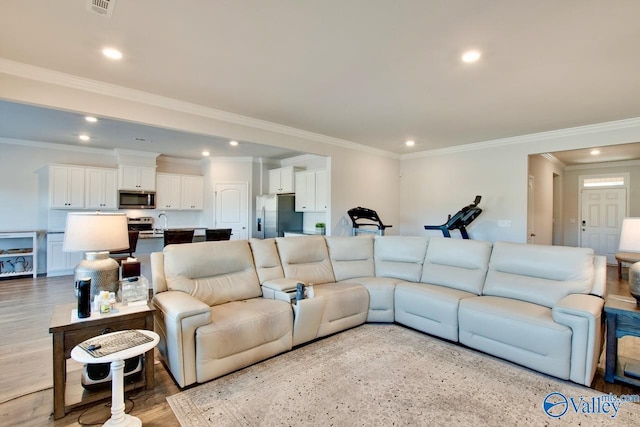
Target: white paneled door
<point>601,220</point>
<point>232,208</point>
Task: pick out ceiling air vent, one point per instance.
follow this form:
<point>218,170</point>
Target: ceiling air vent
<point>101,7</point>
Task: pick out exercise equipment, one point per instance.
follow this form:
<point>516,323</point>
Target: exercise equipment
<point>460,220</point>
<point>364,219</point>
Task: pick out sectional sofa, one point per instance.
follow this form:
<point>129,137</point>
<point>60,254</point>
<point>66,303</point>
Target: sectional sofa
<point>221,306</point>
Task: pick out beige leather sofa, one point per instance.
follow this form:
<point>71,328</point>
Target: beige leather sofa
<point>225,305</point>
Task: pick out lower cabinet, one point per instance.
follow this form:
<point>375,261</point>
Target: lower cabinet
<point>60,263</point>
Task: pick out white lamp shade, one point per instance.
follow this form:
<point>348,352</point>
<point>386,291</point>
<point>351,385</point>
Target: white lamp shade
<point>630,235</point>
<point>95,231</point>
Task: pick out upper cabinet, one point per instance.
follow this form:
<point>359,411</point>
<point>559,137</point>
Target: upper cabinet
<point>311,191</point>
<point>136,177</point>
<point>66,187</point>
<point>101,188</point>
<point>192,192</point>
<point>282,180</point>
<point>169,191</point>
<point>179,192</point>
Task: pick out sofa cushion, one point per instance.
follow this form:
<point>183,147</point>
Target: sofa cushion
<point>242,333</point>
<point>429,308</point>
<point>539,274</point>
<point>266,259</point>
<point>351,256</point>
<point>400,257</point>
<point>457,263</point>
<point>190,268</point>
<point>306,259</point>
<point>518,331</point>
<point>345,306</point>
<point>381,293</point>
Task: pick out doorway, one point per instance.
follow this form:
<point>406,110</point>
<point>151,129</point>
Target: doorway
<point>231,201</point>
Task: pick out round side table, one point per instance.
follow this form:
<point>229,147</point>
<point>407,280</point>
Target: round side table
<point>118,417</point>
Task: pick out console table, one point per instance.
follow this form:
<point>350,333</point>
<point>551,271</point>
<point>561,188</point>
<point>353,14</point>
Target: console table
<point>623,319</point>
<point>68,331</point>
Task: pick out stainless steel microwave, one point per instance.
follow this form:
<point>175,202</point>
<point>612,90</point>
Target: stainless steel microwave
<point>130,199</point>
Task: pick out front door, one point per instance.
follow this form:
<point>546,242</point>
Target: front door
<point>601,220</point>
<point>232,208</point>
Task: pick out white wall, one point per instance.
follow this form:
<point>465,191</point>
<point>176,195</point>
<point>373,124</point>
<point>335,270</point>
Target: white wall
<point>543,171</point>
<point>441,182</point>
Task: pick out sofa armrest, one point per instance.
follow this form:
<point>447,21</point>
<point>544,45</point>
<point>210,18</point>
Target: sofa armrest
<point>177,317</point>
<point>583,314</point>
<point>281,284</point>
<point>157,272</point>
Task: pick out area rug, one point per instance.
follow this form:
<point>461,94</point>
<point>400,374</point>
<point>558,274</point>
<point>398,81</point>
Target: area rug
<point>388,375</point>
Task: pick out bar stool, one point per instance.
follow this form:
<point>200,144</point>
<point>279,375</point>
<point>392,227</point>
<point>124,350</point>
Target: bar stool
<point>173,237</point>
<point>214,234</point>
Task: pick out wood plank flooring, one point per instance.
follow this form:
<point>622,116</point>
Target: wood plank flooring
<point>26,394</point>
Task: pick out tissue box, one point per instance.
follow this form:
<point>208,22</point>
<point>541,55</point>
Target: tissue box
<point>134,290</point>
<point>130,268</point>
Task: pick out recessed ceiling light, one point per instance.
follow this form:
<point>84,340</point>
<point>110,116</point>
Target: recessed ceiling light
<point>410,143</point>
<point>233,143</point>
<point>112,53</point>
<point>595,152</point>
<point>90,119</point>
<point>471,56</point>
<point>205,153</point>
<point>84,137</point>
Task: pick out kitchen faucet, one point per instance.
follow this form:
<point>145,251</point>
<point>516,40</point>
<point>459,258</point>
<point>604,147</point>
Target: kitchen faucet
<point>166,219</point>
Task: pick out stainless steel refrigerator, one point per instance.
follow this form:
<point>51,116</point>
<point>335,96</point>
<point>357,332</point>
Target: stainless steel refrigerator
<point>275,214</point>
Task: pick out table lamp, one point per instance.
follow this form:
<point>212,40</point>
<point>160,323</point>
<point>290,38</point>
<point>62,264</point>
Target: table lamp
<point>96,233</point>
<point>630,242</point>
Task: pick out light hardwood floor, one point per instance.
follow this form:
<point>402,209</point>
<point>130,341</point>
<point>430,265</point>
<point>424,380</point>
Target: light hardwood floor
<point>26,396</point>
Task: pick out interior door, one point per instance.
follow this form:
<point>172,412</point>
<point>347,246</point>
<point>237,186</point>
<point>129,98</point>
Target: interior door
<point>602,212</point>
<point>232,208</point>
<point>531,209</point>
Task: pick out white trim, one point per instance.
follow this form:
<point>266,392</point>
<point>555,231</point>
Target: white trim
<point>57,146</point>
<point>524,139</point>
<point>622,163</point>
<point>553,159</point>
<point>76,82</point>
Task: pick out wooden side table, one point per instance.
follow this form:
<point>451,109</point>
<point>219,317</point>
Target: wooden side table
<point>623,318</point>
<point>118,416</point>
<point>69,331</point>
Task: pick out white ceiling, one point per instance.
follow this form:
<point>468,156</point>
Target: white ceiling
<point>374,72</point>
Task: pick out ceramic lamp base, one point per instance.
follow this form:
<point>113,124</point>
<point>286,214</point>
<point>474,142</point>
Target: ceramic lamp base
<point>102,270</point>
<point>634,281</point>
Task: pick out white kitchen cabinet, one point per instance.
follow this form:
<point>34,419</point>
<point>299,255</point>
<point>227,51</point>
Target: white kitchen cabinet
<point>137,177</point>
<point>179,192</point>
<point>60,263</point>
<point>192,192</point>
<point>101,188</point>
<point>322,191</point>
<point>282,180</point>
<point>169,191</point>
<point>311,191</point>
<point>66,187</point>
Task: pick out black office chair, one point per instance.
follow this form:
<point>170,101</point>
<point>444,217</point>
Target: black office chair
<point>214,234</point>
<point>124,253</point>
<point>174,237</point>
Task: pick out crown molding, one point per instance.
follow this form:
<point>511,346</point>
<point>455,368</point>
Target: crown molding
<point>56,146</point>
<point>525,139</point>
<point>622,163</point>
<point>45,75</point>
<point>553,159</point>
<point>239,159</point>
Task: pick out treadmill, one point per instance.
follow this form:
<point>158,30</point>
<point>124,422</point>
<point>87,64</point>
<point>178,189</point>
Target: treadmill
<point>366,221</point>
<point>460,220</point>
